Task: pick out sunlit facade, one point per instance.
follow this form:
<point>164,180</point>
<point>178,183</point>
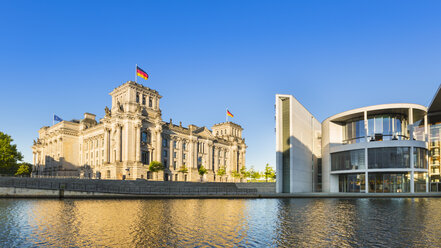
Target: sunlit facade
<point>376,149</point>
<point>131,135</point>
<point>388,148</point>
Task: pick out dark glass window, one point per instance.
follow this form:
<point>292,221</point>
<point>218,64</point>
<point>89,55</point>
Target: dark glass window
<point>145,137</point>
<point>389,182</point>
<point>164,142</point>
<point>389,157</point>
<point>145,157</point>
<point>143,100</point>
<point>420,158</point>
<point>352,183</point>
<point>137,97</point>
<point>150,102</point>
<point>348,160</point>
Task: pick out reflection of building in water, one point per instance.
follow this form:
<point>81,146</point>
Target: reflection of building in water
<point>375,149</point>
<point>142,223</point>
<point>130,136</point>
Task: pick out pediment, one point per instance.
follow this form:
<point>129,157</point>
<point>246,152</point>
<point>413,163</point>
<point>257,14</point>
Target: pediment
<point>204,132</point>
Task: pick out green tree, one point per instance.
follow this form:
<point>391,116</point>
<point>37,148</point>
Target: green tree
<point>183,169</point>
<point>8,155</point>
<point>221,172</point>
<point>202,171</point>
<point>244,173</point>
<point>156,166</point>
<point>255,175</point>
<point>24,169</point>
<point>235,174</point>
<point>269,172</point>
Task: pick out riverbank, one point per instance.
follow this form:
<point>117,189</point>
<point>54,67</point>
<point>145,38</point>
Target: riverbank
<point>12,187</point>
<point>8,192</point>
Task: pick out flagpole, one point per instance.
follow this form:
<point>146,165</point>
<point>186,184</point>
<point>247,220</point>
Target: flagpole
<point>226,115</point>
<point>136,73</point>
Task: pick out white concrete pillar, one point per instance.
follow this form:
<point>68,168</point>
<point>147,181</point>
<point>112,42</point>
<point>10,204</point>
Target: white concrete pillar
<point>411,123</point>
<point>426,131</point>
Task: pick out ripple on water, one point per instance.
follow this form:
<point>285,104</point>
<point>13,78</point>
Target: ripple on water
<point>221,223</point>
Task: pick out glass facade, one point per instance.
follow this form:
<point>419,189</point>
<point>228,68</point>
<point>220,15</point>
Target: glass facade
<point>389,157</point>
<point>387,127</point>
<point>352,183</point>
<point>434,157</point>
<point>380,127</point>
<point>419,179</point>
<point>354,132</point>
<point>420,158</point>
<point>389,182</point>
<point>348,160</point>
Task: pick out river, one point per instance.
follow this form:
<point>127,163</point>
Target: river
<point>221,223</point>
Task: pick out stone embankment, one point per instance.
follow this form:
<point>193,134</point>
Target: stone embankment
<point>69,187</point>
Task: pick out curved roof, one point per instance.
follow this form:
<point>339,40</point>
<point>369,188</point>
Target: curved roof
<point>399,108</point>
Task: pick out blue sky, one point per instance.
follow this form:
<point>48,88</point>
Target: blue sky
<point>64,57</point>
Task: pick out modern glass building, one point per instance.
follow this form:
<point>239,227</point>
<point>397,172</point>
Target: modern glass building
<point>388,148</point>
<point>376,149</point>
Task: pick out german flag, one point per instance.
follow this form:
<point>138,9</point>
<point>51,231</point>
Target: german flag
<point>229,114</point>
<point>141,73</point>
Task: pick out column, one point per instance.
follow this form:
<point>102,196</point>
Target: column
<point>106,146</point>
<point>410,123</point>
<point>366,126</point>
<point>118,144</point>
<point>138,143</point>
<point>412,173</point>
<point>426,131</point>
<point>366,179</point>
<point>210,157</point>
<point>171,151</point>
<point>126,156</point>
<point>158,144</point>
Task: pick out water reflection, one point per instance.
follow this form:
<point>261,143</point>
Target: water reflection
<point>221,223</point>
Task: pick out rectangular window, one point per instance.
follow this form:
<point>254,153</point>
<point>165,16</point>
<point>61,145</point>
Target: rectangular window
<point>175,144</point>
<point>165,153</point>
<point>164,142</point>
<point>348,160</point>
<point>145,157</point>
<point>419,158</point>
<point>389,157</point>
<point>143,100</point>
<point>174,154</point>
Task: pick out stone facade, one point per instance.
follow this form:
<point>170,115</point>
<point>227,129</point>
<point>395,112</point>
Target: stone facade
<point>130,136</point>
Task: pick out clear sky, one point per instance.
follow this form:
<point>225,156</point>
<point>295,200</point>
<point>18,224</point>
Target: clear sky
<point>64,57</point>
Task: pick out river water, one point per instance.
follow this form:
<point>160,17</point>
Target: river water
<point>221,223</point>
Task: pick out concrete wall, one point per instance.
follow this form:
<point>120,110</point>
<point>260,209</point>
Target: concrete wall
<point>304,147</point>
<point>50,186</point>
